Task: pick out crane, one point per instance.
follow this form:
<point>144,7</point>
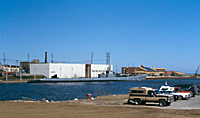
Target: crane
<point>197,71</point>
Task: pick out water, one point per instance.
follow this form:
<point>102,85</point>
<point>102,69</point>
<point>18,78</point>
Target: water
<point>69,91</point>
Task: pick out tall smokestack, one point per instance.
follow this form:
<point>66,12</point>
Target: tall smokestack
<point>45,57</point>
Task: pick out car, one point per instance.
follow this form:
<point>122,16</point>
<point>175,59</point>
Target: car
<point>189,87</point>
<point>179,89</point>
<point>141,95</point>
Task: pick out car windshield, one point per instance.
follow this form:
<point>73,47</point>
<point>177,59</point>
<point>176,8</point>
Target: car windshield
<point>165,92</point>
<point>157,92</point>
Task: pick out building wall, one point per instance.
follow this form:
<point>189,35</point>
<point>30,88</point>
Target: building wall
<point>67,70</point>
<point>40,69</point>
<point>99,69</point>
<point>11,68</point>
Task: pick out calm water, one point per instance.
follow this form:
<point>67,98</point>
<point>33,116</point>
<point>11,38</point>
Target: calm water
<point>69,91</point>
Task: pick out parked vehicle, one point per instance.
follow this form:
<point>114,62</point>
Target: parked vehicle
<point>145,94</point>
<point>179,89</point>
<point>183,95</point>
<point>189,87</point>
<point>176,96</point>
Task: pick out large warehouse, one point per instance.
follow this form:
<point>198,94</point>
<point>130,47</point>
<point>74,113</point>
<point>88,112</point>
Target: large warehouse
<point>62,70</point>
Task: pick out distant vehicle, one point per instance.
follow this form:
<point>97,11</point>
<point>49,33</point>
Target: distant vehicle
<point>179,89</point>
<point>189,87</point>
<point>145,94</point>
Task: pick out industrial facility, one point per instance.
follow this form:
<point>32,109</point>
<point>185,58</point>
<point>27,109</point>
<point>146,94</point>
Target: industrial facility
<point>64,70</point>
<point>69,70</point>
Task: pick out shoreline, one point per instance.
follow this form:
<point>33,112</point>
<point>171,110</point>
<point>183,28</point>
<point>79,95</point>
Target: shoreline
<point>147,78</point>
<point>169,77</point>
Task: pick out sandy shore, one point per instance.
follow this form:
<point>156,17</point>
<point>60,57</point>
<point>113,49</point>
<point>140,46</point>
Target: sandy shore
<point>104,106</point>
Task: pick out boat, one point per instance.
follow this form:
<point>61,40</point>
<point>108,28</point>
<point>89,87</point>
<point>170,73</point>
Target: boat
<point>105,79</point>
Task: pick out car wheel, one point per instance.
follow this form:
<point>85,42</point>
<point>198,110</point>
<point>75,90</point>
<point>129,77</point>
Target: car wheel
<point>162,103</point>
<point>181,97</point>
<point>137,102</point>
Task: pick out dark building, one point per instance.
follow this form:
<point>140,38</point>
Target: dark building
<point>25,66</point>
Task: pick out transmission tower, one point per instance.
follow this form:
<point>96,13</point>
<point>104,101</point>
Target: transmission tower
<point>108,58</point>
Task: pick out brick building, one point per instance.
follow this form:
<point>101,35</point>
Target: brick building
<point>149,71</point>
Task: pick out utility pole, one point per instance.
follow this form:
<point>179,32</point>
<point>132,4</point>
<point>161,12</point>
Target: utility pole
<point>91,57</point>
<point>20,70</point>
<point>28,57</point>
<point>4,59</point>
<point>16,67</point>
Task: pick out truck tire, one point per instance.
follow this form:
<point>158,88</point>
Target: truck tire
<point>137,102</point>
<point>162,103</point>
<point>128,102</point>
<point>168,103</point>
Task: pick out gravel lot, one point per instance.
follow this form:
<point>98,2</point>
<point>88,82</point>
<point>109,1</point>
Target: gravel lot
<point>120,100</point>
<point>192,103</point>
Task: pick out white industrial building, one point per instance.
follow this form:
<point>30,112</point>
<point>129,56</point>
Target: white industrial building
<point>62,70</point>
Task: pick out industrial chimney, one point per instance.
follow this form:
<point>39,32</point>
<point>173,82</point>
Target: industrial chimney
<point>45,57</point>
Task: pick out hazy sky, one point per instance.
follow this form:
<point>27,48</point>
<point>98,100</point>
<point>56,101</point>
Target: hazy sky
<point>158,33</point>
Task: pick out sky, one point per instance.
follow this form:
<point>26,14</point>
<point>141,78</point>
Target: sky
<point>153,33</point>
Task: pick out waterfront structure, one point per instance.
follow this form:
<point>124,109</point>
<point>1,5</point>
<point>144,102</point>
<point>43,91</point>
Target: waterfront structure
<point>64,70</point>
<point>150,71</point>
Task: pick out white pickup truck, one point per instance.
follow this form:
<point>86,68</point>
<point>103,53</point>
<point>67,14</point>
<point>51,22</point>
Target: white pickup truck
<point>172,91</point>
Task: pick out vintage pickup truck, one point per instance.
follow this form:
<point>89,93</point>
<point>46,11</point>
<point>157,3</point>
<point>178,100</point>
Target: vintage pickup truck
<point>141,95</point>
